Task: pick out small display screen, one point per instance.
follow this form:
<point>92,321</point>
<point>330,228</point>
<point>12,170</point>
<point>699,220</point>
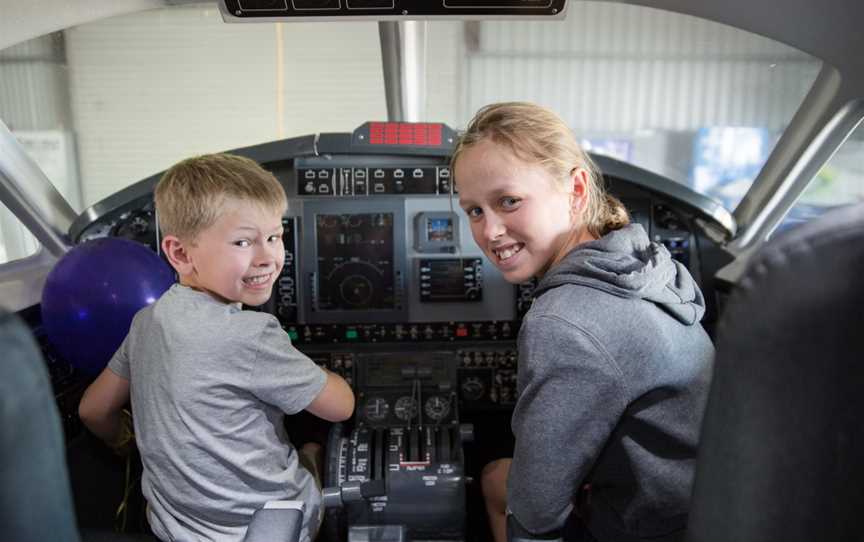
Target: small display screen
<point>389,370</point>
<point>439,230</point>
<point>451,279</point>
<point>436,232</point>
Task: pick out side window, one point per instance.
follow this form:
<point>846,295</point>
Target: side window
<point>16,241</point>
<point>839,183</point>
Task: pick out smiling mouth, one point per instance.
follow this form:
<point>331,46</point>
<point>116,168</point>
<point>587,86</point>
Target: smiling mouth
<point>257,280</point>
<point>504,254</point>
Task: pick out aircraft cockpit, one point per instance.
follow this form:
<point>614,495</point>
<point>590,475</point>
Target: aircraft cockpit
<point>718,128</point>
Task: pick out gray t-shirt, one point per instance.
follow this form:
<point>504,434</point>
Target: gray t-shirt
<point>210,383</point>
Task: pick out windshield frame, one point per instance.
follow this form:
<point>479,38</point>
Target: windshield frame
<point>831,111</point>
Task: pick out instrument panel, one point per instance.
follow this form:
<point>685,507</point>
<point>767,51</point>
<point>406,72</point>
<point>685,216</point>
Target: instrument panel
<point>407,388</point>
<point>383,284</point>
<point>382,275</point>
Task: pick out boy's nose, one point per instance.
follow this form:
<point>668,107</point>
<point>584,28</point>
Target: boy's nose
<point>267,254</point>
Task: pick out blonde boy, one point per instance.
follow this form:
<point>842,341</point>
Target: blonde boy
<point>210,382</point>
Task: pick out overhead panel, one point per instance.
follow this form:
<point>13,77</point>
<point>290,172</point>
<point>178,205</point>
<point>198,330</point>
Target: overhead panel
<point>297,10</point>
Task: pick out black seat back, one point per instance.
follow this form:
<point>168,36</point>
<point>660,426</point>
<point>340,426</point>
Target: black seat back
<point>782,449</point>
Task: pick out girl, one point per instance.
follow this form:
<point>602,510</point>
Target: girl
<point>614,365</point>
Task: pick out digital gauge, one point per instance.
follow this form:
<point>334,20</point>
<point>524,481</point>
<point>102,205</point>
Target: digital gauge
<point>405,408</point>
<point>473,388</point>
<point>437,407</point>
<point>376,409</point>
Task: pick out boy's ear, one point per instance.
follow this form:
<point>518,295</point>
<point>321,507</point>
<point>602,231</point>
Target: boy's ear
<point>178,255</point>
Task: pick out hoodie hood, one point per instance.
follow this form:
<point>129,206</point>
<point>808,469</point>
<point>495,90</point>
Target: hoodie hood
<point>625,263</point>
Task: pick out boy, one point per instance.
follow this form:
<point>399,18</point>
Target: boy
<point>210,382</point>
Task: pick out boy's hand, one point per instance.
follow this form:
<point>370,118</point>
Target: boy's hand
<point>101,410</point>
<point>125,442</point>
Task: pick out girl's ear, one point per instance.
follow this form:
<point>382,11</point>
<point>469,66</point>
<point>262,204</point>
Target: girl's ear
<point>178,254</point>
<point>578,185</point>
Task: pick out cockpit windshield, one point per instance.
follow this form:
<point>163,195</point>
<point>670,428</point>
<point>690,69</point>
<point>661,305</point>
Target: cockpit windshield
<point>470,300</point>
<point>105,104</point>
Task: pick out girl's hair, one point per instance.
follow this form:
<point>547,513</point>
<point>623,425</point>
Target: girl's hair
<point>537,135</point>
<point>191,194</point>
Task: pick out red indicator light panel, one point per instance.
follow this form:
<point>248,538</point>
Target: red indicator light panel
<point>413,135</point>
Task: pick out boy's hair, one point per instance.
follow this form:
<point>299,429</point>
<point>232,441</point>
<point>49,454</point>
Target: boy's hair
<point>190,195</point>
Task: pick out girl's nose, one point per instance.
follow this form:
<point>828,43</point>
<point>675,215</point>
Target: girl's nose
<point>494,227</point>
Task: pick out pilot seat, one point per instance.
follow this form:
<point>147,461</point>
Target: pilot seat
<point>782,448</point>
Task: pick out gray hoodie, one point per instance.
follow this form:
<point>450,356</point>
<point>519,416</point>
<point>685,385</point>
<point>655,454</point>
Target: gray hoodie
<point>614,370</point>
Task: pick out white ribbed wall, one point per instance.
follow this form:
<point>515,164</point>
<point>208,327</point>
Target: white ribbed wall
<point>33,93</point>
<point>196,84</point>
<point>611,67</point>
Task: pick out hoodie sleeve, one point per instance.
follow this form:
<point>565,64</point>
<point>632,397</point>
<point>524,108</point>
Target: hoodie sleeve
<point>571,397</point>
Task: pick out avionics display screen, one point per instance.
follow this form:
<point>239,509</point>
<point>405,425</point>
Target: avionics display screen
<point>355,261</point>
<point>439,229</point>
<point>400,370</point>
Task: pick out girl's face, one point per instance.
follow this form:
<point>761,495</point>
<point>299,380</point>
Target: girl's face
<point>522,218</point>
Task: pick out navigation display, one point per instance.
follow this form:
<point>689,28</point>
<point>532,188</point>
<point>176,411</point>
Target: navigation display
<point>355,261</point>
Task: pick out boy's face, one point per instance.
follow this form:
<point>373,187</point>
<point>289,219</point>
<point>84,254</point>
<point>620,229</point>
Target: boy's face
<point>239,257</point>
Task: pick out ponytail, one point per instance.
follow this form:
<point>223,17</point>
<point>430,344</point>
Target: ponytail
<point>611,216</point>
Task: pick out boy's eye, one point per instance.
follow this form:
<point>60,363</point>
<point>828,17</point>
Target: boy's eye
<point>474,212</point>
<point>275,238</point>
<point>242,243</point>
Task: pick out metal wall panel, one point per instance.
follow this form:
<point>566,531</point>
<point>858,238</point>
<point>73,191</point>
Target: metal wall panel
<point>623,95</point>
<point>613,68</point>
<point>33,85</point>
<point>186,83</point>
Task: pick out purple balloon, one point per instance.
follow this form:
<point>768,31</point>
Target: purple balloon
<point>92,294</point>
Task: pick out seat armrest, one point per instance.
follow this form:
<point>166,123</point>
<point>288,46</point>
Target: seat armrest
<point>277,521</point>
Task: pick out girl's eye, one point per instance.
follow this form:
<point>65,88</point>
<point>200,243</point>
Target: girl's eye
<point>275,238</point>
<point>474,212</point>
<point>242,243</point>
<point>509,202</point>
